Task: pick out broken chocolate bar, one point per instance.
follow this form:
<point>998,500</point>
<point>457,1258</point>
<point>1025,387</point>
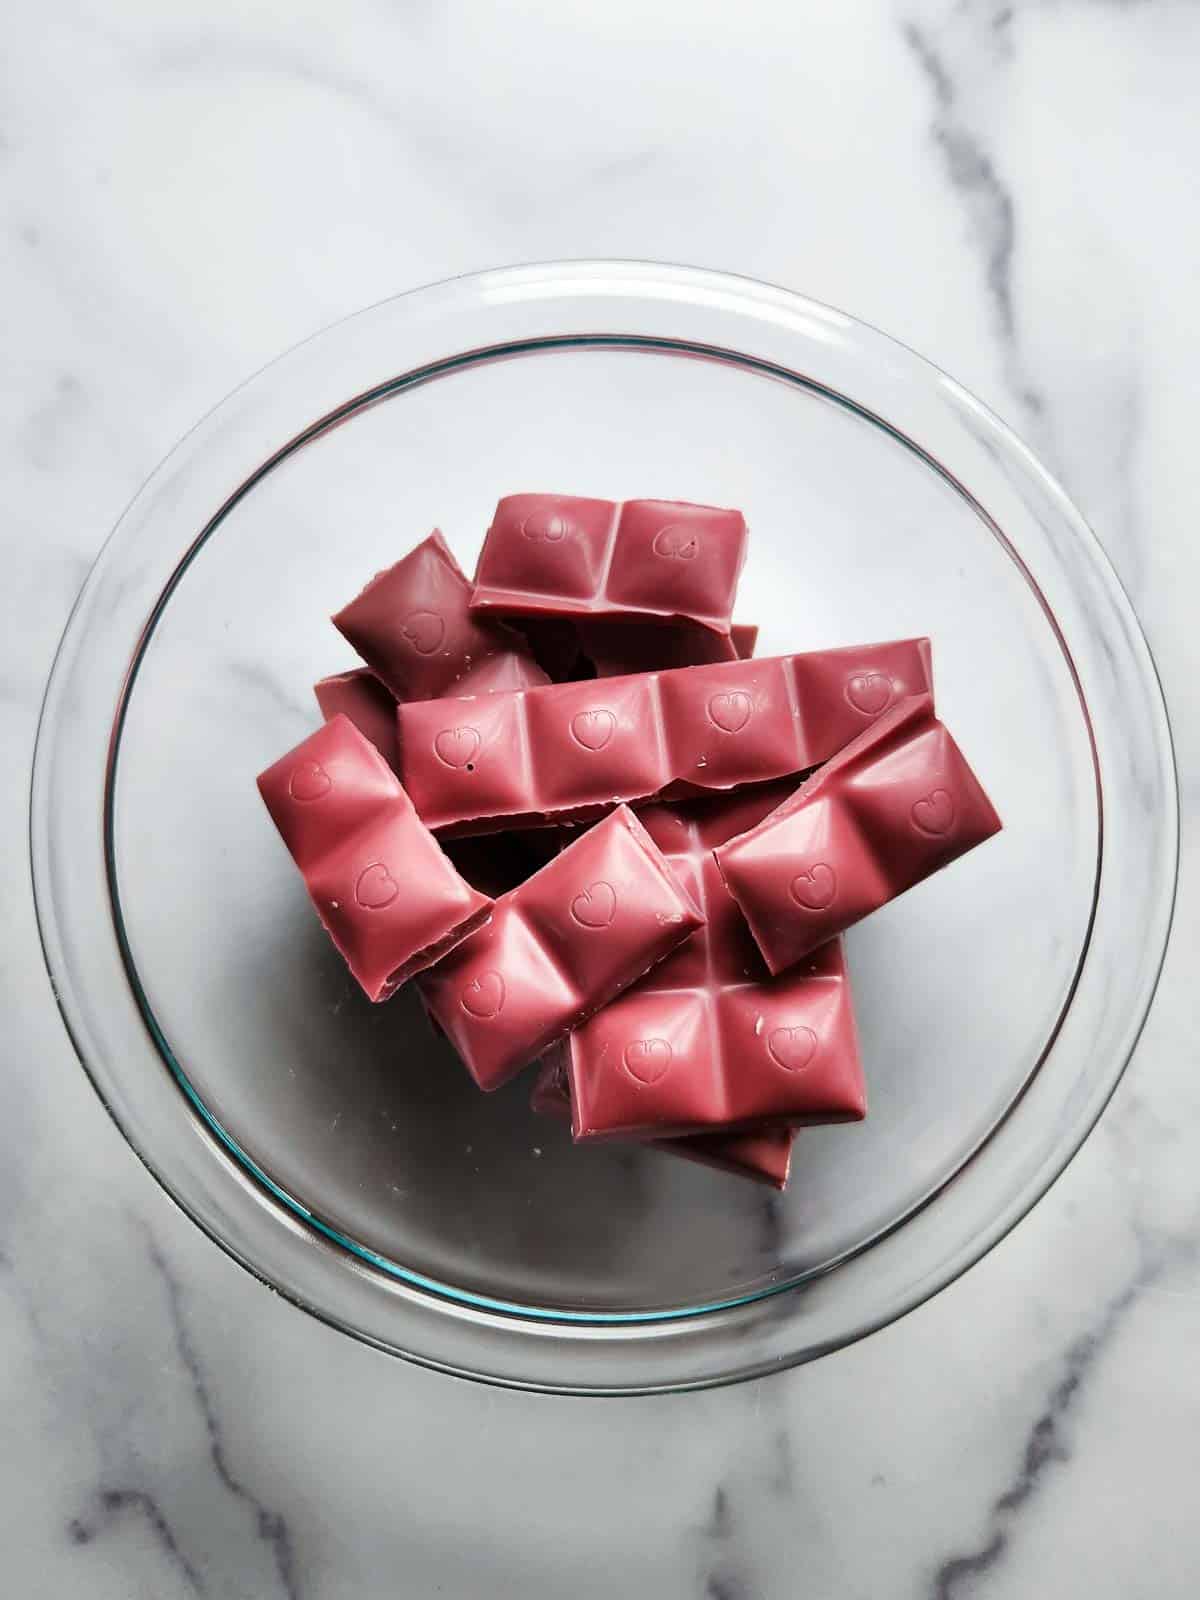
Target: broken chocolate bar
<point>384,889</point>
<point>558,948</point>
<point>412,627</point>
<point>550,555</point>
<point>894,806</point>
<point>709,1040</point>
<point>571,751</point>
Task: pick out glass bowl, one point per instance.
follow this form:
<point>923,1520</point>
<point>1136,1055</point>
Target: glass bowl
<point>338,1150</point>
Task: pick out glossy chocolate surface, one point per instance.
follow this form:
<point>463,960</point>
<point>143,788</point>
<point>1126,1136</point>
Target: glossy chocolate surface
<point>709,1039</point>
<point>573,750</point>
<point>384,889</point>
<point>562,556</point>
<point>896,805</point>
<point>762,1154</point>
<point>369,704</point>
<point>558,948</point>
<point>412,626</point>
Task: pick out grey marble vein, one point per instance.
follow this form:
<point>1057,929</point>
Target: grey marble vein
<point>1047,1443</point>
<point>719,1524</point>
<point>630,164</point>
<point>112,1503</point>
<point>19,1291</point>
<point>271,1525</point>
<point>723,1577</point>
<point>203,52</point>
<point>956,52</point>
<point>1126,417</point>
<point>973,172</point>
<point>49,423</point>
<point>780,1474</point>
<point>726,1586</point>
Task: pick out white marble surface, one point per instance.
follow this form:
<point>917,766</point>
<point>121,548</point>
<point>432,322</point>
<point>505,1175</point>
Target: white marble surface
<point>1010,188</point>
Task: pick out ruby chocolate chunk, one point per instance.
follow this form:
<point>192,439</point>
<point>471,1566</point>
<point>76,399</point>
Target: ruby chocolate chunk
<point>507,669</point>
<point>762,1154</point>
<point>745,639</point>
<point>709,1041</point>
<point>894,806</point>
<point>573,750</point>
<point>685,1061</point>
<point>412,627</point>
<point>387,895</point>
<point>370,706</point>
<point>559,556</point>
<point>558,948</point>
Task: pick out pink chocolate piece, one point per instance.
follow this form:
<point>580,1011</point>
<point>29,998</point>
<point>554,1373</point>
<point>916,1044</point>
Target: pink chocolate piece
<point>894,806</point>
<point>571,751</point>
<point>387,896</point>
<point>412,627</point>
<point>554,555</point>
<point>617,648</point>
<point>370,706</point>
<point>745,639</point>
<point>709,1041</point>
<point>762,1154</point>
<point>559,947</point>
<point>507,669</point>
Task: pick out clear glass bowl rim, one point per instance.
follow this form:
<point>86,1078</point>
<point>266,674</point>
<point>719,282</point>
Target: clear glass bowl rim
<point>893,388</point>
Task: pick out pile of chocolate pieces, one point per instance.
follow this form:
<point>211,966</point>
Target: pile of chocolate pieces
<point>604,838</point>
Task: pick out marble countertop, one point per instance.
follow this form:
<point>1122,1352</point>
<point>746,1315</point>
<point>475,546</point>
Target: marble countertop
<point>1009,188</point>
